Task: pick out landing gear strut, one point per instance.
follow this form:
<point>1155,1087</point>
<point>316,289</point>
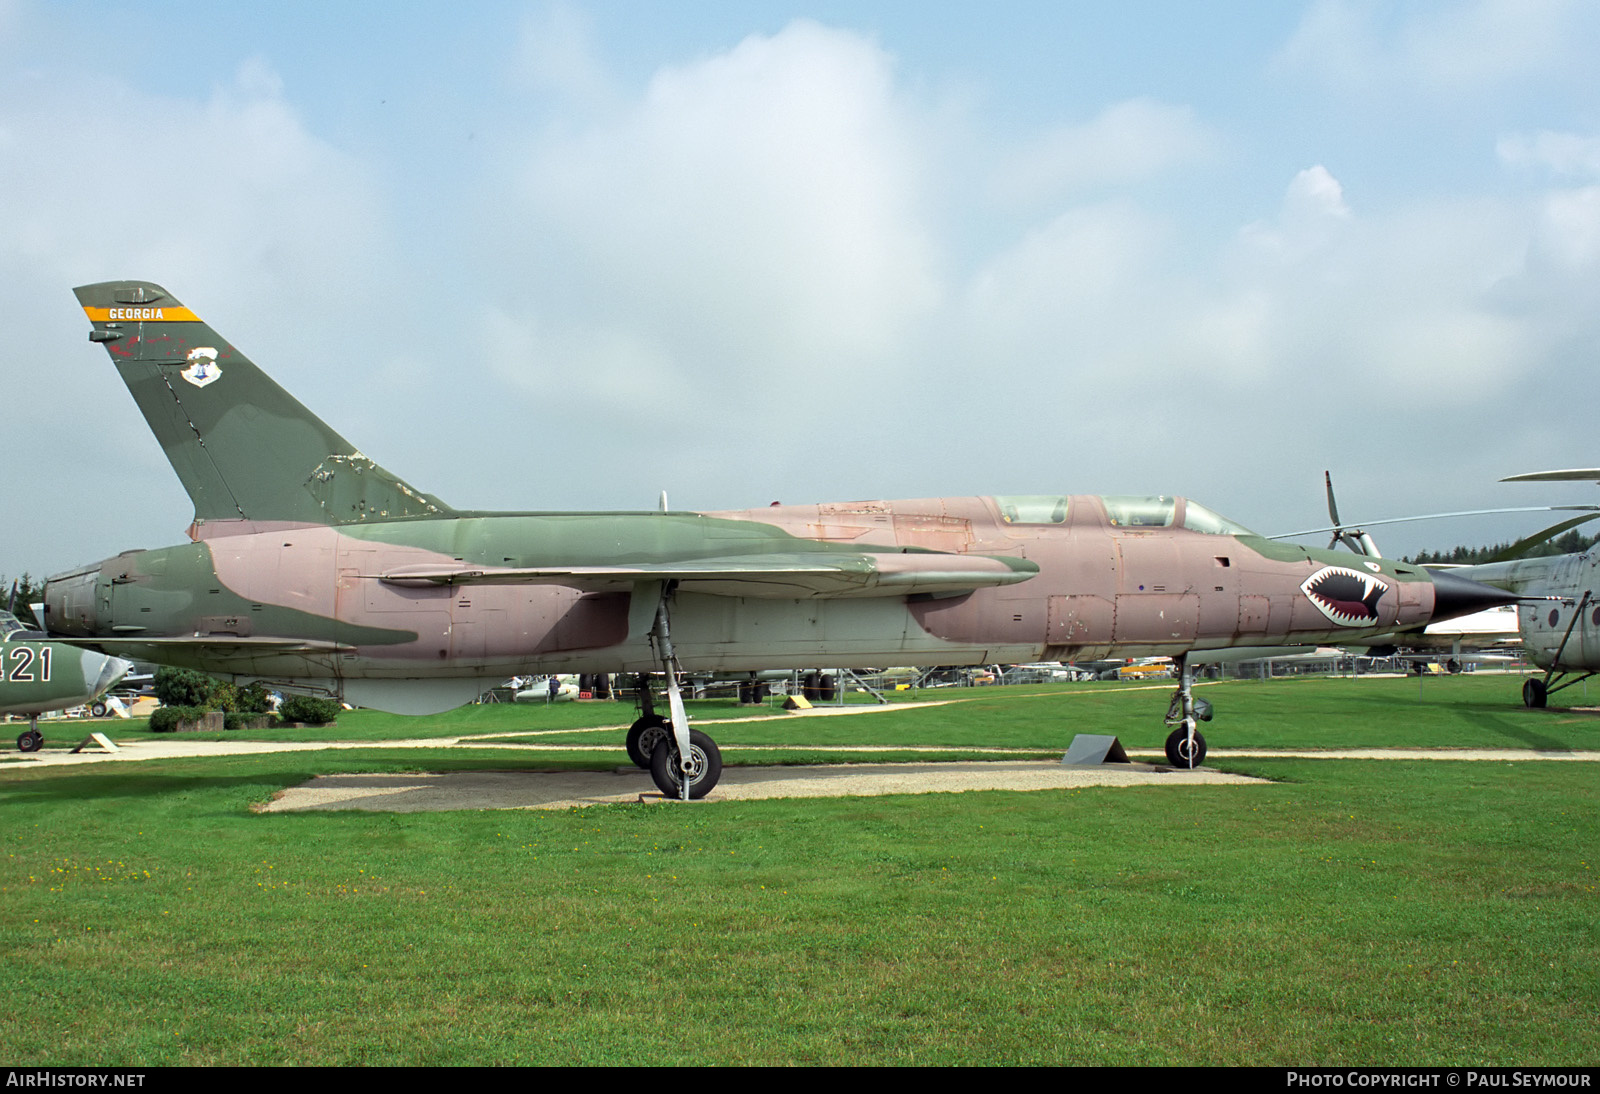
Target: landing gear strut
<point>684,764</point>
<point>1185,747</point>
<point>1536,693</point>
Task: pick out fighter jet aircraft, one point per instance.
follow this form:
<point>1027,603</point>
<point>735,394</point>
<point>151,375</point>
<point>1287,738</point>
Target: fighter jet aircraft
<point>312,568</point>
<point>38,676</point>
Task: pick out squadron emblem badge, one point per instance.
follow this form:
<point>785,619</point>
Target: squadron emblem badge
<point>203,367</point>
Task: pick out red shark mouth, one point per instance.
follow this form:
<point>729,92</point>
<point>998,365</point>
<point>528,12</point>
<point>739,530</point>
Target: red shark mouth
<point>1347,597</point>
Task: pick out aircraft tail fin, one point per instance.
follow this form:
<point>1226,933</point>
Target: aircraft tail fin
<point>243,448</point>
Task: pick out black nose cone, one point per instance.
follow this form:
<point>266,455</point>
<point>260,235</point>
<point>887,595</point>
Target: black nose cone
<point>1455,596</point>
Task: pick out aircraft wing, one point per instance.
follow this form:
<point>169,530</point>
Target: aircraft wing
<point>775,576</point>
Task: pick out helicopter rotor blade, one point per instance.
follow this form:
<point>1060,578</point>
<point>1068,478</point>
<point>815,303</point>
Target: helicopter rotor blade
<point>1520,548</point>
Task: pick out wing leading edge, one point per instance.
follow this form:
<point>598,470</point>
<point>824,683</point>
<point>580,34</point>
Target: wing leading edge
<point>776,576</point>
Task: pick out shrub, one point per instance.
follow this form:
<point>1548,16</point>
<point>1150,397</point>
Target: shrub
<point>166,719</point>
<point>311,711</point>
<point>254,699</point>
<point>188,688</point>
<point>224,696</point>
<point>183,687</point>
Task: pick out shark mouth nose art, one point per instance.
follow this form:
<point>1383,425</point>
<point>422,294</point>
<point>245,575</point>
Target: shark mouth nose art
<point>1347,597</point>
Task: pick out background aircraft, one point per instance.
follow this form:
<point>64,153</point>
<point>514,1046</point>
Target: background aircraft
<point>312,568</point>
<point>1492,636</point>
<point>37,676</point>
<point>1560,617</point>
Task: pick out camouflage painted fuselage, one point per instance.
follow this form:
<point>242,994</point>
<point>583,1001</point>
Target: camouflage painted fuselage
<point>382,641</point>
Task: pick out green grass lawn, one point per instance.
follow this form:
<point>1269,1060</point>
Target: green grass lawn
<point>1352,912</point>
<point>1473,710</point>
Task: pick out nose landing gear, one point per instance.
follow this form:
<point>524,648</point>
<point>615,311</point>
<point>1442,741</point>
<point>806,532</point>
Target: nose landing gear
<point>30,739</point>
<point>1186,748</point>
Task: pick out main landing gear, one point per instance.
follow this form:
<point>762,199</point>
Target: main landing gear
<point>684,763</point>
<point>1185,747</point>
<point>1536,692</point>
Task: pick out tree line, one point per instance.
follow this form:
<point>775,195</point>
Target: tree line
<point>1568,543</point>
<point>17,593</point>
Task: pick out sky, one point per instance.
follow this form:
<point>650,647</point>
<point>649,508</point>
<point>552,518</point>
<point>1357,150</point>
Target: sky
<point>569,256</point>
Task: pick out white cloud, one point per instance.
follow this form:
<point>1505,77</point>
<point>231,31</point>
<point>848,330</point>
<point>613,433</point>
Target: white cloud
<point>556,52</point>
<point>1335,42</point>
<point>101,181</point>
<point>1488,42</point>
<point>1413,292</point>
<point>756,212</point>
<point>1125,143</point>
<point>1569,229</point>
<point>1069,296</point>
<point>1313,216</point>
<point>229,202</point>
<point>1566,154</point>
<point>1359,46</point>
<point>563,366</point>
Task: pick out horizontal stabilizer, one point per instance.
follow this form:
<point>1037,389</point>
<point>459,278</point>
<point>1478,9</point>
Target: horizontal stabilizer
<point>776,576</point>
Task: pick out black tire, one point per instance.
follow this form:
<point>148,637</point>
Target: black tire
<point>602,685</point>
<point>30,740</point>
<point>811,687</point>
<point>1534,694</point>
<point>828,689</point>
<point>707,766</point>
<point>643,736</point>
<point>98,709</point>
<point>1452,667</point>
<point>1178,747</point>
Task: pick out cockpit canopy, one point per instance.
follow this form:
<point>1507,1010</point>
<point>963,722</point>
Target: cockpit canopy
<point>1197,518</point>
<point>1122,511</point>
<point>11,627</point>
<point>1033,508</point>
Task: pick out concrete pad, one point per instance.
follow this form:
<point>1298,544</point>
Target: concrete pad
<point>566,789</point>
